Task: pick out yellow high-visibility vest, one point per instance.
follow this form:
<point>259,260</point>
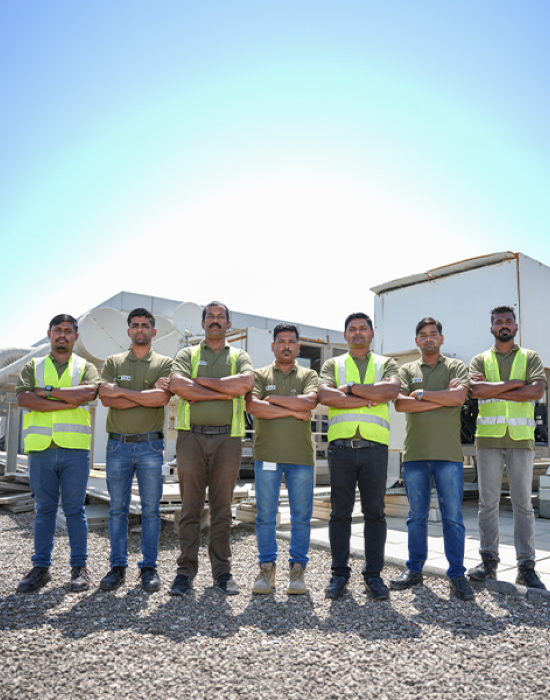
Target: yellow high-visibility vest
<point>184,409</point>
<point>70,428</point>
<point>495,415</point>
<point>373,423</point>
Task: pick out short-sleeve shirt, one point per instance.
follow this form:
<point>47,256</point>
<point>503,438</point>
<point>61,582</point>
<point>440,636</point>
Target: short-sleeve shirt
<point>215,366</point>
<point>328,375</point>
<point>131,372</point>
<point>26,381</point>
<point>535,370</point>
<point>284,440</point>
<point>433,435</point>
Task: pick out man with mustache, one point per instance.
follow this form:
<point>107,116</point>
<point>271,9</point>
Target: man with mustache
<point>211,379</point>
<point>57,432</point>
<point>506,380</point>
<point>283,397</point>
<point>357,387</point>
<point>433,389</point>
<point>135,387</point>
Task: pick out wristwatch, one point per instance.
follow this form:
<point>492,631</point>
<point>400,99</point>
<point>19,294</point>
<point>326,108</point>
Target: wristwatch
<point>419,394</point>
<point>47,389</point>
<point>350,386</point>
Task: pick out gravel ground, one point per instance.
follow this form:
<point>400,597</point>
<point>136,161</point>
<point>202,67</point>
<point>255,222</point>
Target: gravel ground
<point>423,643</point>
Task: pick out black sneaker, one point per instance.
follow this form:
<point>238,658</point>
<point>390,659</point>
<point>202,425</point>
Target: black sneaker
<point>462,588</point>
<point>150,580</point>
<point>181,585</point>
<point>486,570</point>
<point>227,584</point>
<point>37,577</point>
<point>527,576</point>
<point>80,579</point>
<point>113,579</point>
<point>408,579</point>
<point>336,587</point>
<point>377,588</point>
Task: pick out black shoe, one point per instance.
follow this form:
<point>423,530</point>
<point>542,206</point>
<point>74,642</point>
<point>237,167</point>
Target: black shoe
<point>37,577</point>
<point>336,587</point>
<point>150,580</point>
<point>408,579</point>
<point>527,576</point>
<point>462,588</point>
<point>227,584</point>
<point>486,570</point>
<point>377,588</point>
<point>113,579</point>
<point>181,585</point>
<point>80,579</point>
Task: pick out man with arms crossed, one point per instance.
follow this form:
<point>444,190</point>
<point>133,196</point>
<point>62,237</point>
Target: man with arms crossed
<point>135,387</point>
<point>506,380</point>
<point>283,397</point>
<point>211,379</point>
<point>433,389</point>
<point>57,432</point>
<point>357,387</point>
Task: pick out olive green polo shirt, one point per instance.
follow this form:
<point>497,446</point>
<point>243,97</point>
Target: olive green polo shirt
<point>284,440</point>
<point>215,366</point>
<point>433,435</point>
<point>26,381</point>
<point>131,372</point>
<point>535,370</point>
<point>328,372</point>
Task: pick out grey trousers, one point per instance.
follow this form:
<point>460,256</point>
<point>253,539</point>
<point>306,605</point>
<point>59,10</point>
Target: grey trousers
<point>519,467</point>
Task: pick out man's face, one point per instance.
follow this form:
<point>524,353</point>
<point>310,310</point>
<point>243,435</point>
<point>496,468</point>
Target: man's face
<point>504,327</point>
<point>62,337</point>
<point>140,331</point>
<point>429,340</point>
<point>215,323</point>
<point>286,347</point>
<point>358,334</point>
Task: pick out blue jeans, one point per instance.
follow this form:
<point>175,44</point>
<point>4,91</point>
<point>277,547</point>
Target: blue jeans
<point>299,482</point>
<point>51,472</point>
<point>144,459</point>
<point>449,484</point>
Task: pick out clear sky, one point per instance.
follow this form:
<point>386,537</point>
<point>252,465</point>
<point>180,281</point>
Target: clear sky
<point>283,157</point>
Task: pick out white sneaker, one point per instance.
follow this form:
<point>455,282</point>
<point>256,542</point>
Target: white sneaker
<point>296,585</point>
<point>266,578</point>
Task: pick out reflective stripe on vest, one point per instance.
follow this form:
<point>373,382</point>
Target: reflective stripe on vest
<point>373,423</point>
<point>495,415</point>
<point>70,428</point>
<point>184,409</point>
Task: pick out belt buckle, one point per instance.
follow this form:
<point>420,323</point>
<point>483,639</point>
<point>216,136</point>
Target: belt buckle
<point>355,447</point>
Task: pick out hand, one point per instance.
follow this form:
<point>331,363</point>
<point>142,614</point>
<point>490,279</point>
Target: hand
<point>414,395</point>
<point>478,377</point>
<point>163,383</point>
<point>303,415</point>
<point>453,384</point>
<point>109,391</point>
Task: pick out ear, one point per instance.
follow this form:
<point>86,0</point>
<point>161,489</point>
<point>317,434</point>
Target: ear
<point>154,332</point>
<point>228,325</point>
<point>202,323</point>
<point>128,332</point>
<point>272,347</point>
<point>49,334</point>
<point>416,341</point>
<point>442,339</point>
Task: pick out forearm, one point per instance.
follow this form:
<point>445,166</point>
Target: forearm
<point>381,392</point>
<point>112,402</point>
<point>34,402</point>
<point>529,392</point>
<point>235,385</point>
<point>334,398</point>
<point>189,390</point>
<point>303,402</point>
<point>408,404</point>
<point>152,398</point>
<point>446,397</point>
<point>262,409</point>
<point>493,390</point>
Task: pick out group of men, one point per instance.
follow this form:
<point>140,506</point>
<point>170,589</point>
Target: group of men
<point>215,384</point>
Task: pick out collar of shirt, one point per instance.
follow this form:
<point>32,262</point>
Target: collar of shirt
<point>441,358</point>
<point>132,357</point>
<point>498,352</point>
<point>278,369</point>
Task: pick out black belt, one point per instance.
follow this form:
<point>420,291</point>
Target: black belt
<point>355,444</point>
<point>211,429</point>
<point>139,437</point>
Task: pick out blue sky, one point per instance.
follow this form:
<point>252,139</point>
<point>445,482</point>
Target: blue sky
<point>284,157</point>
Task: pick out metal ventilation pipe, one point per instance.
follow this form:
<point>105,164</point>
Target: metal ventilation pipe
<point>10,355</point>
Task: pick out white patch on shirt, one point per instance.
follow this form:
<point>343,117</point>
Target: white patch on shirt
<point>124,378</point>
<point>271,387</point>
<point>416,380</point>
<point>203,362</point>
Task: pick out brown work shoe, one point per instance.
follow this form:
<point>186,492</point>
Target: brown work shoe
<point>80,579</point>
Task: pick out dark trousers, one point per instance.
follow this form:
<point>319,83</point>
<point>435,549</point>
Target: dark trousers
<point>366,467</point>
<point>211,461</point>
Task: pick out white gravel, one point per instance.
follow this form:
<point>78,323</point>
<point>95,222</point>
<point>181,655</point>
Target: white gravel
<point>423,643</point>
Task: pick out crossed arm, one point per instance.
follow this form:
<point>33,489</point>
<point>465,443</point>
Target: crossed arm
<point>276,406</point>
<point>510,390</point>
<point>114,396</point>
<point>363,394</point>
<point>209,389</point>
<point>67,398</point>
<point>454,395</point>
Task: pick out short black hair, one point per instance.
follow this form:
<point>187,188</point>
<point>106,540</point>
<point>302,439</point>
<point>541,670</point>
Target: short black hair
<point>359,314</point>
<point>285,327</point>
<point>64,318</point>
<point>215,303</point>
<point>140,311</point>
<point>502,310</point>
<point>428,321</point>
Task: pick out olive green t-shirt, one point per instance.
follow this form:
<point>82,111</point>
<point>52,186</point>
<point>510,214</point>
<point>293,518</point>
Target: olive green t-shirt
<point>26,382</point>
<point>328,372</point>
<point>215,366</point>
<point>284,440</point>
<point>535,370</point>
<point>137,374</point>
<point>433,435</point>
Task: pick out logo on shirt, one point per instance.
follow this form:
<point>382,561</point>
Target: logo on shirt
<point>416,380</point>
<point>124,378</point>
<point>271,387</point>
<point>203,362</point>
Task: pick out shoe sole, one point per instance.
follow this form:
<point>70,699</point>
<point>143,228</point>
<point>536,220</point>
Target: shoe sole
<point>110,588</point>
<point>79,589</point>
<point>403,587</point>
<point>292,591</point>
<point>171,591</point>
<point>264,591</point>
<point>228,592</point>
<point>342,593</point>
